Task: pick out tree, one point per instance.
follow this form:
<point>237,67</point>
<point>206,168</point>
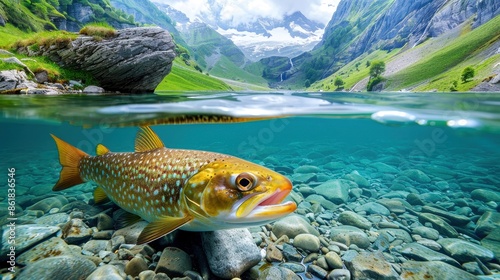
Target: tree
<point>377,67</point>
<point>307,83</point>
<point>339,82</point>
<point>467,74</point>
<point>367,63</point>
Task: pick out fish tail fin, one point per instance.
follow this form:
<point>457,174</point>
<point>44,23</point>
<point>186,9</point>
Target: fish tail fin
<point>69,157</point>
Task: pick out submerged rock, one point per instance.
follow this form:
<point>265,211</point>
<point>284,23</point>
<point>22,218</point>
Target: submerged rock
<point>368,265</point>
<point>230,252</point>
<point>63,267</point>
<point>25,237</point>
<point>307,242</point>
<point>173,262</point>
<point>51,248</point>
<point>419,252</point>
<point>350,235</point>
<point>488,222</point>
<point>106,272</point>
<point>464,251</point>
<point>352,219</point>
<point>337,191</point>
<point>415,270</point>
<point>278,272</point>
<point>292,225</point>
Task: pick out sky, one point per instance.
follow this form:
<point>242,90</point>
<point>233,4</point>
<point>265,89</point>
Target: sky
<point>242,11</point>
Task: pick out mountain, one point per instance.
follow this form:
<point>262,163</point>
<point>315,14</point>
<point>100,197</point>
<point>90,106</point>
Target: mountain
<point>263,37</point>
<point>402,33</point>
<point>69,15</point>
<point>145,12</point>
<point>214,53</point>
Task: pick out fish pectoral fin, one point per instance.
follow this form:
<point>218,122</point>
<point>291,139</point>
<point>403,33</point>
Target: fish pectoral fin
<point>125,219</point>
<point>161,227</point>
<point>101,150</point>
<point>147,140</point>
<point>100,196</point>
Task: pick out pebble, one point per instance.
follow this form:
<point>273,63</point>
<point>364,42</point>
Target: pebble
<point>485,195</point>
<point>230,252</point>
<point>307,242</point>
<point>76,231</point>
<point>353,219</point>
<point>292,225</point>
<point>95,246</point>
<point>61,267</point>
<point>394,205</point>
<point>47,204</point>
<point>293,266</point>
<point>53,220</point>
<point>104,222</point>
<point>106,272</point>
<point>131,232</point>
<point>334,261</point>
<point>464,251</point>
<point>147,275</point>
<point>367,265</point>
<point>492,242</point>
<point>350,235</point>
<point>278,272</point>
<point>273,254</point>
<point>413,270</point>
<point>419,252</point>
<point>291,254</point>
<point>135,266</point>
<point>373,208</point>
<point>336,191</point>
<point>397,233</point>
<point>416,175</point>
<point>488,222</point>
<point>317,271</point>
<point>454,219</point>
<point>426,232</point>
<point>173,262</point>
<point>339,274</point>
<point>439,224</point>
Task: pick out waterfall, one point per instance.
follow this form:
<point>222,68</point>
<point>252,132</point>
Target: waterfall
<point>281,77</point>
<point>291,64</point>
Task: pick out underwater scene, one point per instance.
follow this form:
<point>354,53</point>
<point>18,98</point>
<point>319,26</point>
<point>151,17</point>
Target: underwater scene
<point>250,186</point>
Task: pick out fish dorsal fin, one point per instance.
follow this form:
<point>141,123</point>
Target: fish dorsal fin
<point>101,150</point>
<point>125,219</point>
<point>100,196</point>
<point>147,140</point>
<point>161,227</point>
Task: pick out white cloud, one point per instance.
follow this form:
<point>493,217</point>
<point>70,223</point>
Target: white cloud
<point>242,11</point>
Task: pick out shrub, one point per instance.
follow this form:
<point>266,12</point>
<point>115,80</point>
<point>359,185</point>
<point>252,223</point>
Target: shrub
<point>467,73</point>
<point>98,30</point>
<point>373,82</point>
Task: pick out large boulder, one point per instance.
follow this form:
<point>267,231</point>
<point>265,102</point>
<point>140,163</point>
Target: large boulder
<point>134,60</point>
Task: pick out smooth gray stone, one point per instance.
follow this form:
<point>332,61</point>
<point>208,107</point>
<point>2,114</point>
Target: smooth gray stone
<point>63,267</point>
<point>419,252</point>
<point>464,251</point>
<point>433,270</point>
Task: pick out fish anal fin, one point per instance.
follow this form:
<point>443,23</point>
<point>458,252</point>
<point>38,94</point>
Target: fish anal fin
<point>147,140</point>
<point>100,196</point>
<point>69,158</point>
<point>101,150</point>
<point>126,219</point>
<point>161,227</point>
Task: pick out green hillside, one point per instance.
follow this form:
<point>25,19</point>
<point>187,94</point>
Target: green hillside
<point>186,78</point>
<point>441,67</point>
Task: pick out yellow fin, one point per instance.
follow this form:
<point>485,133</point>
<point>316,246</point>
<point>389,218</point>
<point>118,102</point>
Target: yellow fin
<point>69,158</point>
<point>101,150</point>
<point>147,140</point>
<point>161,227</point>
<point>125,219</point>
<point>100,196</point>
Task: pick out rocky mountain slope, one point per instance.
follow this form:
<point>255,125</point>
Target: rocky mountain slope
<point>361,28</point>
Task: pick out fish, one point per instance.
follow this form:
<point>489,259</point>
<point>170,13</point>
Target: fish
<point>174,189</point>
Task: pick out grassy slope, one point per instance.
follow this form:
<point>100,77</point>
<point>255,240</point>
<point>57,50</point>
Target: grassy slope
<point>184,78</point>
<point>445,65</point>
<point>350,74</point>
<point>227,69</point>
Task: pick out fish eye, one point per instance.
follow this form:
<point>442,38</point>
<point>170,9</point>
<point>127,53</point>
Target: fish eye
<point>245,181</point>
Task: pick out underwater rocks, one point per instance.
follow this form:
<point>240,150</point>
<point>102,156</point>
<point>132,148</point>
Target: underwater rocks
<point>413,222</point>
<point>230,252</point>
<point>63,267</point>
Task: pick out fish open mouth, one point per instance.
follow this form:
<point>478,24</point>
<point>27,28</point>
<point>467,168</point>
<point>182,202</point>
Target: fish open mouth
<point>263,206</point>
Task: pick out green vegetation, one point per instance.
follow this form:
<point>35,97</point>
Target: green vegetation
<point>339,83</point>
<point>351,74</point>
<point>467,74</point>
<point>98,30</point>
<point>443,60</point>
<point>185,78</point>
<point>44,39</point>
<point>225,68</point>
<point>28,15</point>
<point>377,67</point>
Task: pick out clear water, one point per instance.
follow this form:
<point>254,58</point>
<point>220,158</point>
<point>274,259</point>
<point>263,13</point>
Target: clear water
<point>453,134</point>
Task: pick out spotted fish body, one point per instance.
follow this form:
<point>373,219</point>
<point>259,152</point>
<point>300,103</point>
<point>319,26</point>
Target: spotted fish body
<point>172,188</point>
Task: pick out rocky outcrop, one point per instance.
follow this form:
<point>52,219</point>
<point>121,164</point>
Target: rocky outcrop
<point>135,60</point>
